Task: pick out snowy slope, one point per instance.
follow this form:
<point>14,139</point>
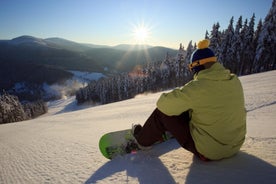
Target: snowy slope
<point>62,146</point>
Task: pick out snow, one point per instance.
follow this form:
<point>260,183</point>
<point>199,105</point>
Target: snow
<point>86,76</point>
<point>66,89</point>
<point>62,146</point>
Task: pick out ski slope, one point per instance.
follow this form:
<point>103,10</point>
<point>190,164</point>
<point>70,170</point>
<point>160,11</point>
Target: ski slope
<point>62,146</point>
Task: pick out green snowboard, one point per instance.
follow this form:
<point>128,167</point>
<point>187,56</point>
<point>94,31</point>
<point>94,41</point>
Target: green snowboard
<point>120,143</point>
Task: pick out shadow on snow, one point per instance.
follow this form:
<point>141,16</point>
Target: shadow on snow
<point>145,166</point>
<point>148,168</point>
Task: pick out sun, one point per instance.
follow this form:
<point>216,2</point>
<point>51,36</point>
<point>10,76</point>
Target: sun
<point>141,33</point>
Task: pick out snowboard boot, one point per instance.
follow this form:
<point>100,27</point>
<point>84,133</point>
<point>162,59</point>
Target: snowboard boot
<point>136,128</point>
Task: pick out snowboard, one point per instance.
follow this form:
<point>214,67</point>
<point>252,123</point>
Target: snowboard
<point>121,142</point>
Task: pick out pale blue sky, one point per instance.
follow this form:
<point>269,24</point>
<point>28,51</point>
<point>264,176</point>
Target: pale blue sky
<point>112,22</point>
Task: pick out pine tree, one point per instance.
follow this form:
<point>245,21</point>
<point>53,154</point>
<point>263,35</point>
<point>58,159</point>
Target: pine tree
<point>236,47</point>
<point>215,38</point>
<point>248,50</point>
<point>226,45</point>
<point>243,48</point>
<point>265,58</point>
<point>255,44</point>
<point>180,65</point>
<point>11,110</point>
<point>206,35</point>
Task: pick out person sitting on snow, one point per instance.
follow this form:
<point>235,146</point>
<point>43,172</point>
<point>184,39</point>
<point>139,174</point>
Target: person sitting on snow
<point>206,116</point>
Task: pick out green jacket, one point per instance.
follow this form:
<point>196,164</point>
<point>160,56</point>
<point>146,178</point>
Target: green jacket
<point>215,101</point>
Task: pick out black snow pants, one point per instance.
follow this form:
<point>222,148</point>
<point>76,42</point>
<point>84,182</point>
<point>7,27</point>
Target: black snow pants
<point>158,123</point>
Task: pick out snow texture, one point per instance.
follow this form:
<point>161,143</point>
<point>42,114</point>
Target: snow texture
<point>62,146</point>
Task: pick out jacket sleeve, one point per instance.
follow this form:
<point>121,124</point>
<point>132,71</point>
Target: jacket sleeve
<point>174,102</point>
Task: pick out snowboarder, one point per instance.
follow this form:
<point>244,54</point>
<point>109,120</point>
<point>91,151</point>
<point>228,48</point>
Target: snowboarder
<point>206,116</point>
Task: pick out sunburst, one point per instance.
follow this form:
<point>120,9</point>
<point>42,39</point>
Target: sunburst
<point>141,33</point>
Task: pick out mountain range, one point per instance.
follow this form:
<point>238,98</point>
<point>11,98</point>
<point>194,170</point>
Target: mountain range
<point>71,55</point>
<point>35,61</point>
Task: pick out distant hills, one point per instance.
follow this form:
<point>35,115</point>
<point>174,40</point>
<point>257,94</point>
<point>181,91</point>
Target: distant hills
<point>69,55</point>
<point>35,61</point>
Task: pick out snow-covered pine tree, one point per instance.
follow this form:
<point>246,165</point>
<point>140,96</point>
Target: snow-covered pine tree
<point>11,109</point>
<point>265,58</point>
<point>242,48</point>
<point>248,50</point>
<point>236,47</point>
<point>189,51</point>
<point>164,70</point>
<point>180,70</point>
<point>226,45</point>
<point>255,43</point>
<point>215,38</point>
<point>206,35</point>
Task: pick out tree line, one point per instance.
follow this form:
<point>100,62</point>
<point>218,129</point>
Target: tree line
<point>151,77</point>
<point>12,110</point>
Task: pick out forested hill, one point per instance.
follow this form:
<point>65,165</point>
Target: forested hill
<point>70,55</point>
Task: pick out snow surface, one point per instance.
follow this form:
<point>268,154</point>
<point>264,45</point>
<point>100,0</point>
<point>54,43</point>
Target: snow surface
<point>66,89</point>
<point>62,146</point>
<point>86,76</point>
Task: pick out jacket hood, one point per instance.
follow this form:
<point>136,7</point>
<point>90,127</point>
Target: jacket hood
<point>215,72</point>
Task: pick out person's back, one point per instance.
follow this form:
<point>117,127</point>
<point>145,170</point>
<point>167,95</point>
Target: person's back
<point>218,116</point>
<point>216,103</point>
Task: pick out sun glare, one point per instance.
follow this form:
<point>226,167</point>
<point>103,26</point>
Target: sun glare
<point>141,33</point>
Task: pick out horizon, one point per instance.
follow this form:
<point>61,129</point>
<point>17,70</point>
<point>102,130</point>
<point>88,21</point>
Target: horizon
<point>151,23</point>
<point>120,44</point>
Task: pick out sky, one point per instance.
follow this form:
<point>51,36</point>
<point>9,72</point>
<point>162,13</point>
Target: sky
<point>111,22</point>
